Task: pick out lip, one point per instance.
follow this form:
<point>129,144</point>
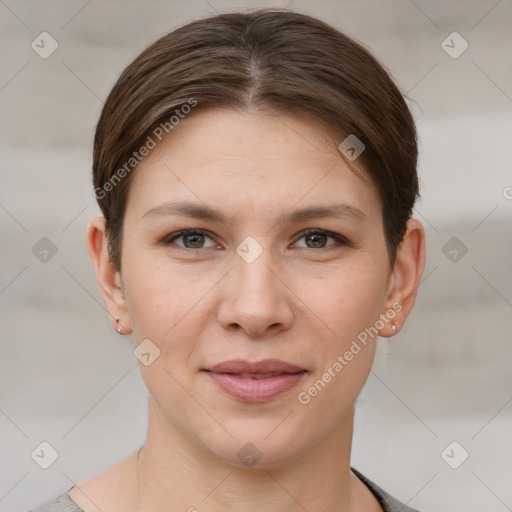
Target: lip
<point>234,379</point>
<point>264,366</point>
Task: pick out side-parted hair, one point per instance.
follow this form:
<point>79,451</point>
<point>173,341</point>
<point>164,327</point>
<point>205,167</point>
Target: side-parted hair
<point>274,61</point>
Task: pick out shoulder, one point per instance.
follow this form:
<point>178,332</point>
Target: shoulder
<point>61,503</point>
<point>113,489</point>
<point>387,502</point>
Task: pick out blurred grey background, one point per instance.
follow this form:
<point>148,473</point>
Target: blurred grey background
<point>67,379</point>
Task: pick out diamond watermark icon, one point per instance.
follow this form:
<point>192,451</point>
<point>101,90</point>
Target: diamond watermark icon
<point>249,455</point>
<point>146,352</point>
<point>351,147</point>
<point>454,455</point>
<point>249,249</point>
<point>44,45</point>
<point>44,455</point>
<point>44,250</point>
<point>454,249</point>
<point>454,45</point>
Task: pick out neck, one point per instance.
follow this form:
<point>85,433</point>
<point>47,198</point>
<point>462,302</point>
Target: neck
<point>175,474</point>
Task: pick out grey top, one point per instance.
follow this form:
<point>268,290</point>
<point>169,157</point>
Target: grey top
<point>63,503</point>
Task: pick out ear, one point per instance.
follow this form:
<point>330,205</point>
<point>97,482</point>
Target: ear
<point>405,278</point>
<point>109,280</point>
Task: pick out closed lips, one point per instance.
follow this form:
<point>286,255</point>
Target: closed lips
<point>259,369</point>
<point>259,381</point>
<point>257,375</point>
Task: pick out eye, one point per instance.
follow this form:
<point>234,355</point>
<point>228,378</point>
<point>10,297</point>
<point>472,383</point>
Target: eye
<point>192,239</point>
<point>319,237</point>
<point>315,239</point>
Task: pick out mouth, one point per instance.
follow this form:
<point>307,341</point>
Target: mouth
<point>255,381</point>
<point>257,375</point>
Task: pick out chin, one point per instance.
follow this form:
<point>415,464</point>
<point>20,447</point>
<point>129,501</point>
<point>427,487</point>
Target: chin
<point>257,447</point>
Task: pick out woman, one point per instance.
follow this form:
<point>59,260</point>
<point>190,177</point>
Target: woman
<point>256,174</point>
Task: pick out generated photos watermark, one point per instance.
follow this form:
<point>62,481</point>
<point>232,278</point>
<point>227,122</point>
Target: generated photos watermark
<point>157,135</point>
<point>343,360</point>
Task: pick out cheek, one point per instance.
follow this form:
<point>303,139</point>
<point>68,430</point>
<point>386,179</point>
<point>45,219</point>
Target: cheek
<point>161,309</point>
<point>169,305</point>
<point>348,308</point>
<point>332,392</point>
<point>158,295</point>
<point>344,301</point>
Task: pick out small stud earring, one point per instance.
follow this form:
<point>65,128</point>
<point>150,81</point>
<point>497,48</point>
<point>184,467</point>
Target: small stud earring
<point>393,326</point>
<point>118,327</point>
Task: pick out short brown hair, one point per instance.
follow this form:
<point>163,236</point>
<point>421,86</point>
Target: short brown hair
<point>274,61</point>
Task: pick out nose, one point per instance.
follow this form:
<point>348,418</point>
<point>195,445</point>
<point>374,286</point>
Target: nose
<point>256,299</point>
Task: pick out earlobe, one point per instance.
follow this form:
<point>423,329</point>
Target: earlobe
<point>109,280</point>
<point>406,276</point>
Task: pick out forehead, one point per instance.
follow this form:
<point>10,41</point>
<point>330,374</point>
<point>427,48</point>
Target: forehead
<point>213,133</point>
<point>250,161</point>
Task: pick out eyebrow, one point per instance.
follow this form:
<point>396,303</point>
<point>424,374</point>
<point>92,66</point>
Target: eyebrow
<point>201,211</point>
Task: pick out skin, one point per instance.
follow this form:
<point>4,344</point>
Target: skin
<point>303,300</point>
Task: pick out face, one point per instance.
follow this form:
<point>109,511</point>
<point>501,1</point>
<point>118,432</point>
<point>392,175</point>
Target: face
<point>249,282</point>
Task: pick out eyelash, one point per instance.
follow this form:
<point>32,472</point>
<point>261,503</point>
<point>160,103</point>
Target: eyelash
<point>340,239</point>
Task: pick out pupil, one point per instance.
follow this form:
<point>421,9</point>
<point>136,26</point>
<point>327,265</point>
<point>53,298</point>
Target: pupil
<point>187,237</point>
<point>317,235</point>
